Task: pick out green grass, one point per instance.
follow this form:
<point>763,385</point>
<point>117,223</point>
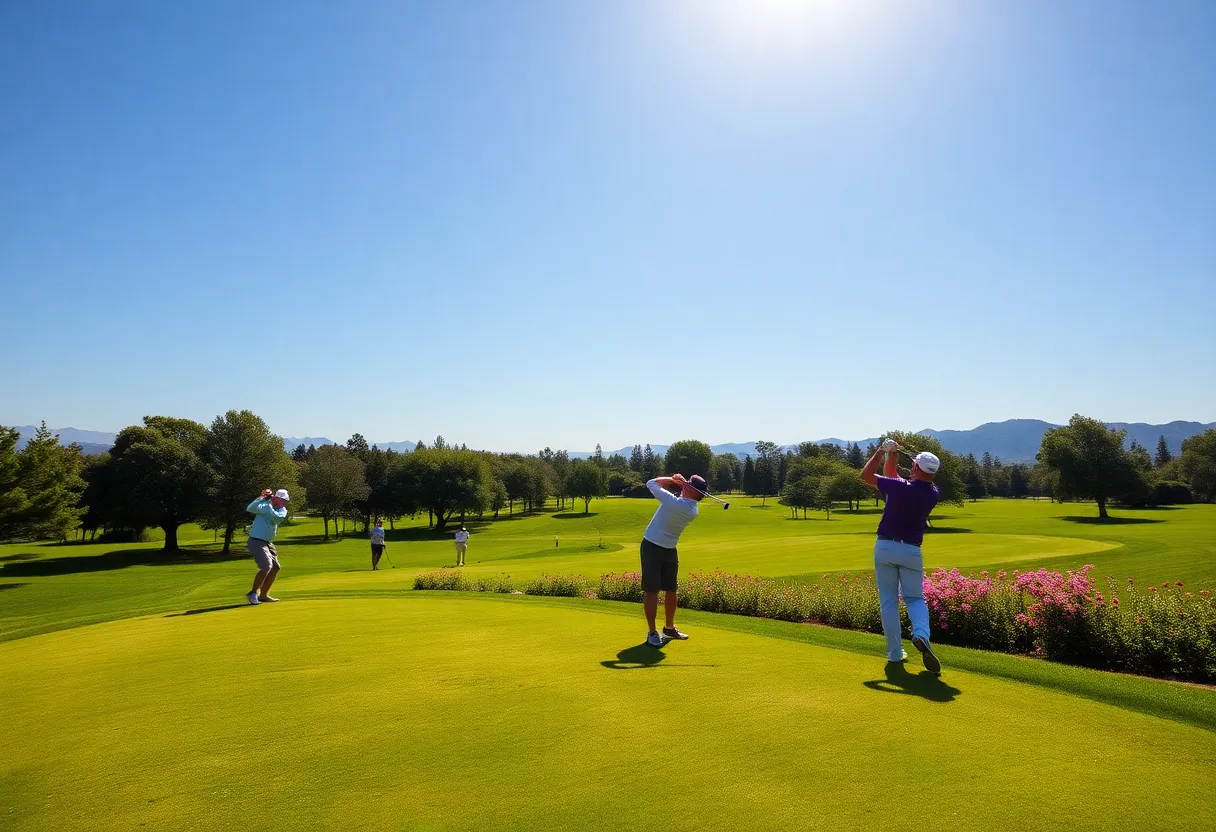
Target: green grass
<point>423,712</point>
<point>360,703</point>
<point>46,587</point>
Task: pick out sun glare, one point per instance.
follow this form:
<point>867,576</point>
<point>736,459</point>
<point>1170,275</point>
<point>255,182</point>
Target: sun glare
<point>760,37</point>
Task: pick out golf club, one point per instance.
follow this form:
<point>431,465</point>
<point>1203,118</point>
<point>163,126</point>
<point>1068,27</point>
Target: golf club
<point>387,558</point>
<point>725,505</point>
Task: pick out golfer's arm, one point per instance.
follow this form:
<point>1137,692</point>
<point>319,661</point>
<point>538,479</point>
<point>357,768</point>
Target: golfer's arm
<point>889,470</point>
<point>258,506</point>
<point>868,473</point>
<point>658,487</point>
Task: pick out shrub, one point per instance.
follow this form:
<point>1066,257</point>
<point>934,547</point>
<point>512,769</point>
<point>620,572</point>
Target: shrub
<point>446,579</point>
<point>564,586</point>
<point>626,586</point>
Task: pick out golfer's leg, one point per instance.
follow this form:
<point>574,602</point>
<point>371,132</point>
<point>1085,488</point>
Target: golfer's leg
<point>258,578</point>
<point>886,576</point>
<point>650,603</point>
<point>670,599</point>
<point>912,587</point>
<point>269,581</point>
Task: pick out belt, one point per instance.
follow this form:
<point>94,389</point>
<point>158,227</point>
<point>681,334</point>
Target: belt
<point>260,540</point>
<point>897,540</point>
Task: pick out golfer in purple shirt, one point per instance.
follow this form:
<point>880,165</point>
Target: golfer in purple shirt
<point>898,567</point>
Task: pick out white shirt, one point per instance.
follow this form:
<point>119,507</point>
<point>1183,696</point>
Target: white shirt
<point>673,515</point>
<point>462,536</point>
<point>378,535</point>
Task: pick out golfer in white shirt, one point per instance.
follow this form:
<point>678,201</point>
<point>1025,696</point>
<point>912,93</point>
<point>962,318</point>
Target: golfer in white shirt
<point>660,562</point>
<point>462,545</point>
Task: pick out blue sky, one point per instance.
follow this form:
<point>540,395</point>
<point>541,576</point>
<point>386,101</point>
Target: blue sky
<point>553,223</point>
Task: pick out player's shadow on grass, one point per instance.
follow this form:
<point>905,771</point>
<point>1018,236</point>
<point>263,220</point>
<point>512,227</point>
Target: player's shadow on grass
<point>1111,521</point>
<point>636,657</point>
<point>924,684</point>
<point>574,515</point>
<point>119,559</point>
<point>642,656</point>
<point>202,610</point>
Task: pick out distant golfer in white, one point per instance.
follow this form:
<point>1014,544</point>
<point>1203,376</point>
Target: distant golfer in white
<point>898,565</point>
<point>462,545</point>
<point>660,561</point>
<point>377,537</point>
<point>269,511</point>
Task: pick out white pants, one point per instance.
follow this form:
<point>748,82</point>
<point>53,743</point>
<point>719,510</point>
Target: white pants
<point>898,569</point>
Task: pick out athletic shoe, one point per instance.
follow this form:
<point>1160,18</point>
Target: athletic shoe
<point>266,598</point>
<point>252,597</point>
<point>926,653</point>
<point>655,640</point>
<point>673,632</point>
<point>903,657</point>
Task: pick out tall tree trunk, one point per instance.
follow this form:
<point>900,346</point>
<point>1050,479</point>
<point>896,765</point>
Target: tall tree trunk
<point>325,520</point>
<point>1102,509</point>
<point>170,537</point>
<point>229,531</point>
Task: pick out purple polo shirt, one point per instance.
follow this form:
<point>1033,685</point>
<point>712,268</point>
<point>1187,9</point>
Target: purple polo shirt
<point>908,505</point>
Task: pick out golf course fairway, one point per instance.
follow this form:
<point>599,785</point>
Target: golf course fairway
<point>467,712</point>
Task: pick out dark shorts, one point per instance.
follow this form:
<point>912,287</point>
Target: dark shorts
<point>377,548</point>
<point>660,567</point>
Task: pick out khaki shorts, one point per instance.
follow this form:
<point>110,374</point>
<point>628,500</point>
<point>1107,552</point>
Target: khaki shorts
<point>462,547</point>
<point>264,553</point>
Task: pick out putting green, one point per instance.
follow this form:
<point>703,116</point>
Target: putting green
<point>420,712</point>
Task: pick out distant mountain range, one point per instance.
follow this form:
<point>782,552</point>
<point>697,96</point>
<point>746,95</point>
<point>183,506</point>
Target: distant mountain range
<point>1014,440</point>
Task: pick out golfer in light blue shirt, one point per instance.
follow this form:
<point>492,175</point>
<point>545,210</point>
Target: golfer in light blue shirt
<point>269,511</point>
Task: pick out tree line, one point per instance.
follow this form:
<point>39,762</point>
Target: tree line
<point>167,472</point>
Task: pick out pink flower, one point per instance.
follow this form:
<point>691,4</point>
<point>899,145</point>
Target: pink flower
<point>1178,584</point>
<point>1152,589</point>
<point>966,608</point>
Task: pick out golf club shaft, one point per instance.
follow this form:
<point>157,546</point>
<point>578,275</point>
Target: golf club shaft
<point>705,493</point>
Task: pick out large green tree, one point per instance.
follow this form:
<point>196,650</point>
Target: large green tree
<point>40,486</point>
<point>13,501</point>
<point>333,480</point>
<point>768,468</point>
<point>1090,462</point>
<point>448,481</point>
<point>50,476</point>
<point>1198,464</point>
<point>688,457</point>
<point>1163,455</point>
<point>587,481</point>
<point>244,457</point>
<point>725,473</point>
<point>160,476</point>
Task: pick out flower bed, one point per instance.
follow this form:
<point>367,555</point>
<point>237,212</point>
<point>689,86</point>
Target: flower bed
<point>1163,631</point>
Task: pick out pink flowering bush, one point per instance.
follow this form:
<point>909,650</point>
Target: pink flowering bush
<point>624,586</point>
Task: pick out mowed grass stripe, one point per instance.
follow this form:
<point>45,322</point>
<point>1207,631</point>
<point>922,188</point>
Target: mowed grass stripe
<point>445,713</point>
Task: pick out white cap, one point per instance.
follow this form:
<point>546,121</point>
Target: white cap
<point>282,492</point>
<point>925,461</point>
